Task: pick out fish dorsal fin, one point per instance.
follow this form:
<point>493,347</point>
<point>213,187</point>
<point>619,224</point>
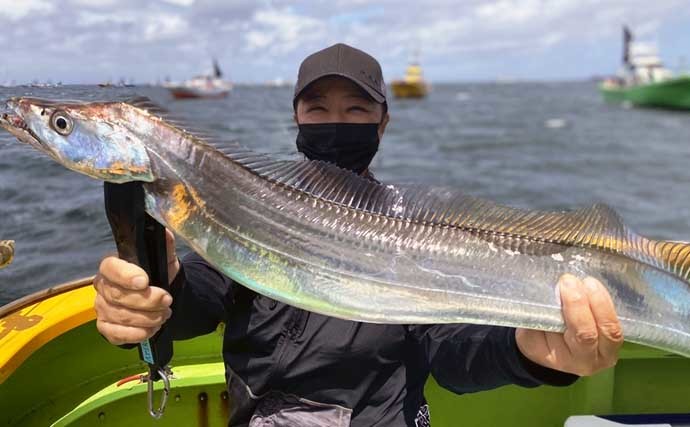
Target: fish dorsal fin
<point>150,107</point>
<point>598,227</point>
<point>145,103</point>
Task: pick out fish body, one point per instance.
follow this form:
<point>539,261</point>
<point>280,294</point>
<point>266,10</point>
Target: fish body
<point>325,240</point>
<point>6,252</point>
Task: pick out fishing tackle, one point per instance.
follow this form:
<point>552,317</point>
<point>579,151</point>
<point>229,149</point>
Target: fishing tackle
<point>140,239</point>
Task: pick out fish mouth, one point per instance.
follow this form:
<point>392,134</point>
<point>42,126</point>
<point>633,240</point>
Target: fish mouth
<point>15,125</point>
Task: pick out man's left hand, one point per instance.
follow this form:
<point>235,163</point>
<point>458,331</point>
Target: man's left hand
<point>592,334</point>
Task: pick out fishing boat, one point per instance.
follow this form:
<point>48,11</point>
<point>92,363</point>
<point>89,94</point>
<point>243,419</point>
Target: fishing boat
<point>203,86</point>
<point>412,85</point>
<point>644,81</point>
<point>56,370</point>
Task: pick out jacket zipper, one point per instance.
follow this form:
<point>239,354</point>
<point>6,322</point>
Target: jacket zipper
<point>289,335</point>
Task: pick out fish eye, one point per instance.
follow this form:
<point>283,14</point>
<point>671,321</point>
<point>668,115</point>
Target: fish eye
<point>61,123</point>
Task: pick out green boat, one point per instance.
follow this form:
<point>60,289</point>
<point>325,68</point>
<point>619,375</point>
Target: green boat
<point>56,370</point>
<point>643,80</point>
<point>670,94</point>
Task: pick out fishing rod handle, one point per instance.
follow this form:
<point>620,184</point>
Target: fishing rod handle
<point>141,240</point>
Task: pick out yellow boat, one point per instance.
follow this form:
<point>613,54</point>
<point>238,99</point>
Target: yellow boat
<point>412,85</point>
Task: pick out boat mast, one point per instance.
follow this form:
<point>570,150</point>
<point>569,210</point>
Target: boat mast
<point>216,69</point>
<point>627,40</point>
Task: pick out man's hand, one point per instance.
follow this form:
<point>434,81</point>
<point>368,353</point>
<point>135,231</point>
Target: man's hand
<point>127,309</point>
<point>592,336</point>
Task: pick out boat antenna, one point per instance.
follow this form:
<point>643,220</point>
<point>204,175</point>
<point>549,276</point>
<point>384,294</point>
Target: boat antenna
<point>216,69</point>
<point>414,58</point>
<point>627,40</point>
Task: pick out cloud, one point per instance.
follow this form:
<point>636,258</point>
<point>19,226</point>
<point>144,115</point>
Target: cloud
<point>283,30</point>
<point>164,26</point>
<point>95,3</point>
<point>509,12</point>
<point>88,18</point>
<point>185,3</point>
<point>16,10</point>
<point>260,40</point>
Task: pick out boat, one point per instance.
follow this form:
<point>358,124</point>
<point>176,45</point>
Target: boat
<point>412,85</point>
<point>203,86</point>
<point>56,370</point>
<point>278,82</point>
<point>644,81</point>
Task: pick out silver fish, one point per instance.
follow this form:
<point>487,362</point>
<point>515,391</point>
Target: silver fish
<point>323,239</point>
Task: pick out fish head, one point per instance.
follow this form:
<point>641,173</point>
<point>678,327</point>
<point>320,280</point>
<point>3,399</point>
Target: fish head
<point>91,138</point>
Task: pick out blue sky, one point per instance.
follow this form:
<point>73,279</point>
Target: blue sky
<point>90,41</point>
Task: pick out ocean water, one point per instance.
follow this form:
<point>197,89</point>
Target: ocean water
<point>531,145</point>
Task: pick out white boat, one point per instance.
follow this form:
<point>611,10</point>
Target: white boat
<point>204,86</point>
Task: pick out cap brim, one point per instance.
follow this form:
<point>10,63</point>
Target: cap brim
<point>369,90</point>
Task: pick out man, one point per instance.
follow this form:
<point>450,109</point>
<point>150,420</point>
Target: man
<point>290,367</point>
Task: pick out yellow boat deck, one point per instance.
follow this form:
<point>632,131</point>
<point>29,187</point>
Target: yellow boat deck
<point>29,323</point>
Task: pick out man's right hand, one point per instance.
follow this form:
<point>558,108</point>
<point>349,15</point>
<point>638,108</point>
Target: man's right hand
<point>128,310</point>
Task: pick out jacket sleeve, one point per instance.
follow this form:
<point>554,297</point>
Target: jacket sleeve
<point>465,358</point>
<point>201,296</point>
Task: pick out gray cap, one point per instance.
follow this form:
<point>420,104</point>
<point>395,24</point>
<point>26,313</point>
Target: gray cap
<point>345,61</point>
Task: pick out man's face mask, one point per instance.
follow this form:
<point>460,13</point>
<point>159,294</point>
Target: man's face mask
<point>349,145</point>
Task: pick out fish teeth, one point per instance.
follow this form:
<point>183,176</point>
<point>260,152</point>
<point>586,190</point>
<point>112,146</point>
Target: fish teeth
<point>16,121</point>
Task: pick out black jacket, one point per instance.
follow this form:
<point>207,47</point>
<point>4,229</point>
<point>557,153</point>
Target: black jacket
<point>288,366</point>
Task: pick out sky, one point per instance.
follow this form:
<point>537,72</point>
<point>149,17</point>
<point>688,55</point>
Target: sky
<point>91,41</point>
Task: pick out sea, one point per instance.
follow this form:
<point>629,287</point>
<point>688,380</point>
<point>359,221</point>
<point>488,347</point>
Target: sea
<point>549,145</point>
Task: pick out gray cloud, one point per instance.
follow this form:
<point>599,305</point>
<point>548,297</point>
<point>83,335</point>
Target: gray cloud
<point>96,40</point>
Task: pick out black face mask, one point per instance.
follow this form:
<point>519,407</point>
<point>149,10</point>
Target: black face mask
<point>348,145</point>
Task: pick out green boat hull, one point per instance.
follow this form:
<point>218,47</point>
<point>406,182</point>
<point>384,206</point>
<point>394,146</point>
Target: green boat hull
<point>672,94</point>
<point>70,382</point>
